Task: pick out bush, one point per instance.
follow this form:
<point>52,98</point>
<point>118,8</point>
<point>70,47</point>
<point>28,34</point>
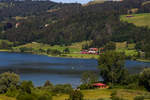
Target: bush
<point>145,78</point>
<point>85,86</point>
<point>115,97</point>
<point>25,49</point>
<point>53,52</point>
<point>66,50</point>
<point>48,84</point>
<point>139,98</point>
<point>66,88</point>
<point>12,92</point>
<point>45,97</point>
<point>89,77</point>
<point>8,80</point>
<point>76,95</point>
<point>26,86</point>
<point>26,96</point>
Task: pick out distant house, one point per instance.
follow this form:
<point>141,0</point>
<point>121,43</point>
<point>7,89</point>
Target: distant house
<point>46,25</point>
<point>17,25</point>
<point>93,51</point>
<point>100,85</point>
<point>129,16</point>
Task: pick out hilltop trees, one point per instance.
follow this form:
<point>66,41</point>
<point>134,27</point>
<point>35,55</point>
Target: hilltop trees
<point>111,65</point>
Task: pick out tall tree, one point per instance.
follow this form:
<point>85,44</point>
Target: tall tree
<point>145,78</point>
<point>111,65</point>
<point>8,80</point>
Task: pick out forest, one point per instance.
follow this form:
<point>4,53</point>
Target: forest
<point>63,24</point>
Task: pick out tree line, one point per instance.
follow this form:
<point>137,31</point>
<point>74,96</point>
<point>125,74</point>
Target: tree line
<point>100,23</point>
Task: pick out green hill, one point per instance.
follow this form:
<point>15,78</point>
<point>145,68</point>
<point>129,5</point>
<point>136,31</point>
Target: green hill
<point>138,19</point>
<point>95,2</point>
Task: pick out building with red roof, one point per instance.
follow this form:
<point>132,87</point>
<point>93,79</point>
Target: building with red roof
<point>100,85</point>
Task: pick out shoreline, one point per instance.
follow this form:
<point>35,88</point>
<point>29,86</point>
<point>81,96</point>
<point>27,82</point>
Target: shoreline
<point>71,55</point>
<point>143,60</point>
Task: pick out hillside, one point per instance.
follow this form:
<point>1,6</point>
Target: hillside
<point>94,2</point>
<point>138,19</point>
<point>65,24</point>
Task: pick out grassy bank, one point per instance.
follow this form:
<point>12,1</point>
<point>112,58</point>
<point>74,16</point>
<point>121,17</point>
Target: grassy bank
<point>143,60</point>
<point>95,94</point>
<point>74,50</point>
<point>85,56</point>
<point>138,19</point>
<point>106,94</point>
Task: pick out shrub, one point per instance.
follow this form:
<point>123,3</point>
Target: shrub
<point>8,80</point>
<point>139,98</point>
<point>25,49</point>
<point>76,95</point>
<point>66,50</point>
<point>85,86</point>
<point>45,97</point>
<point>26,86</point>
<point>53,52</point>
<point>115,97</point>
<point>12,92</point>
<point>66,88</point>
<point>89,77</point>
<point>145,78</point>
<point>26,96</point>
<point>48,84</point>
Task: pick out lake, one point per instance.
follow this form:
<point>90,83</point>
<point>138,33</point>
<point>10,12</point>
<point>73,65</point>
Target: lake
<point>38,68</point>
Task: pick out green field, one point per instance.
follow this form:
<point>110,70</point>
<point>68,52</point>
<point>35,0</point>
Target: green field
<point>97,94</point>
<point>138,19</point>
<point>106,94</point>
<point>74,48</point>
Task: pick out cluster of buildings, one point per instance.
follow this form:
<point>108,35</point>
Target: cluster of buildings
<point>92,51</point>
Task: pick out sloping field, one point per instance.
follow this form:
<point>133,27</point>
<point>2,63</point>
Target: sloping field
<point>137,19</point>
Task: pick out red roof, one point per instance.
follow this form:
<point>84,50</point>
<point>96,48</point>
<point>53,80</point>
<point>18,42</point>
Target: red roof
<point>95,49</point>
<point>99,84</point>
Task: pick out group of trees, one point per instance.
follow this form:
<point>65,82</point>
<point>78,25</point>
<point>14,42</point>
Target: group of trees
<point>11,86</point>
<point>67,22</point>
<point>113,71</point>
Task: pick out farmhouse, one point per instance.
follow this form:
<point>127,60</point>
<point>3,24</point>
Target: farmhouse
<point>93,50</point>
<point>100,85</point>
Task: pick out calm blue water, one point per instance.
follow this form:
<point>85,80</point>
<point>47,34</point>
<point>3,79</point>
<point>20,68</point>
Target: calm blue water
<point>58,70</point>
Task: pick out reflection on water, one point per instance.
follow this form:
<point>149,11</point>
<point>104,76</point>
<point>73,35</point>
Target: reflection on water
<point>57,70</point>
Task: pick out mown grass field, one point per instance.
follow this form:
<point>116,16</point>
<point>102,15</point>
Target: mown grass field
<point>106,94</point>
<point>138,19</point>
<point>97,94</point>
<point>2,97</point>
<point>128,49</point>
<point>74,48</point>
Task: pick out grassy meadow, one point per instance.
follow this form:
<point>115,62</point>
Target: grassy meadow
<point>74,49</point>
<point>95,94</point>
<point>128,49</point>
<point>138,19</point>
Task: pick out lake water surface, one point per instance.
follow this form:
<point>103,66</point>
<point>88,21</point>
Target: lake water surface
<point>39,68</point>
